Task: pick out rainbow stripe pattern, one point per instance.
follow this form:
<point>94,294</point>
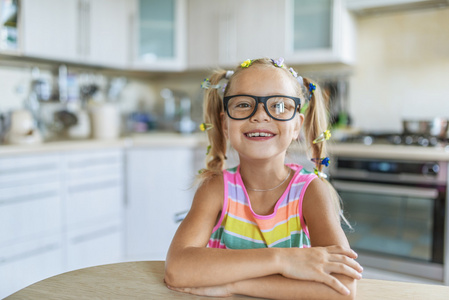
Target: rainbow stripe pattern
<point>239,227</point>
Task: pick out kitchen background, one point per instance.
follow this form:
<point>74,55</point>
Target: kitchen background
<point>75,65</point>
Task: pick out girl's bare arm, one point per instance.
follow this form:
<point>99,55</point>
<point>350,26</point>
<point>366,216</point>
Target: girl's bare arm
<point>190,264</point>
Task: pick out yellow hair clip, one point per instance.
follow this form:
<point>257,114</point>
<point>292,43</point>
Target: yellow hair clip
<point>206,126</point>
<point>324,136</point>
<point>319,174</point>
<point>246,63</point>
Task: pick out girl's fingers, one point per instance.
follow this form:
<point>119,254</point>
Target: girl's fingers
<point>347,261</point>
<point>335,284</point>
<point>343,269</point>
<point>342,250</point>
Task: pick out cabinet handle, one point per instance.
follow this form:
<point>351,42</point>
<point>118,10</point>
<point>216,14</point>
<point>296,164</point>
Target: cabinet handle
<point>88,27</point>
<point>94,186</point>
<point>32,197</point>
<point>29,253</point>
<point>95,234</point>
<point>32,168</point>
<point>178,217</point>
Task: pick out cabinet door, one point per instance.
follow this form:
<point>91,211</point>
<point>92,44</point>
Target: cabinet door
<point>25,263</point>
<point>204,38</point>
<point>93,187</point>
<point>319,32</point>
<point>50,29</point>
<point>97,244</point>
<point>160,39</point>
<point>260,34</point>
<point>158,187</point>
<point>108,32</point>
<point>30,197</point>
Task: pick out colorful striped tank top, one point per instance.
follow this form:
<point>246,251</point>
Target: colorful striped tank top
<point>239,227</point>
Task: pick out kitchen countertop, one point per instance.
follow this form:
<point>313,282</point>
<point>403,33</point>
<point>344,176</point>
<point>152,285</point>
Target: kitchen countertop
<point>169,139</point>
<point>144,279</point>
<point>156,139</point>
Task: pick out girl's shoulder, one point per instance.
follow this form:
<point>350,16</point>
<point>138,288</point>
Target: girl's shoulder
<point>211,188</point>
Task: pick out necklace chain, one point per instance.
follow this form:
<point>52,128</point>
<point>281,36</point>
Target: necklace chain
<point>258,190</point>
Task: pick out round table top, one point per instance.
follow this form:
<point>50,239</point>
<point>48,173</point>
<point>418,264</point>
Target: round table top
<point>144,279</point>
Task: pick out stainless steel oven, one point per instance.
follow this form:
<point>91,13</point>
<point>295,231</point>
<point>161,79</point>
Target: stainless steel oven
<point>397,212</point>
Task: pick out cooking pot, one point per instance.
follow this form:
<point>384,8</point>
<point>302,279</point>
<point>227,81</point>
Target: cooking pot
<point>436,127</point>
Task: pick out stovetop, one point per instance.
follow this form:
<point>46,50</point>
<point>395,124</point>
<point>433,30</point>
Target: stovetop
<point>370,138</point>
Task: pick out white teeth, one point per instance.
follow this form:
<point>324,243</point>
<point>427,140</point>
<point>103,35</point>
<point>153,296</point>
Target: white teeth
<point>254,134</point>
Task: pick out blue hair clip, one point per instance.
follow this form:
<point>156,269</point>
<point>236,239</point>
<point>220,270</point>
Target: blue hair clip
<point>312,88</point>
<point>322,161</point>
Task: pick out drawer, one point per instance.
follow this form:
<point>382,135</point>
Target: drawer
<point>92,201</point>
<point>25,263</point>
<point>98,244</point>
<point>26,212</point>
<point>25,170</point>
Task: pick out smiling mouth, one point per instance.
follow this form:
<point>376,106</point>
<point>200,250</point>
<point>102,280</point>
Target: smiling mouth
<point>259,134</point>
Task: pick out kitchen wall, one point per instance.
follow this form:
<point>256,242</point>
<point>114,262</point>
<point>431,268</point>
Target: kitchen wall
<point>402,69</point>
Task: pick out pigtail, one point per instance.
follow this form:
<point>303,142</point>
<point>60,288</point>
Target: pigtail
<point>212,110</point>
<point>315,123</point>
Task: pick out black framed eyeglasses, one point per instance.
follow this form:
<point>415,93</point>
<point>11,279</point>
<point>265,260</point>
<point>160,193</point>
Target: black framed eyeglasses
<point>278,107</point>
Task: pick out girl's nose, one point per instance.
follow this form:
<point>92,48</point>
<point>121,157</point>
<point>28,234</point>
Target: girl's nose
<point>260,115</point>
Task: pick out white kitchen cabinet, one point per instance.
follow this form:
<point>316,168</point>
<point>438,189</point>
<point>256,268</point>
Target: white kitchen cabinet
<point>27,262</point>
<point>96,244</point>
<point>58,212</point>
<point>31,220</point>
<point>30,202</point>
<point>159,181</point>
<point>107,32</point>
<point>50,29</point>
<point>83,31</point>
<point>159,39</point>
<point>227,33</point>
<point>320,31</point>
<point>94,193</point>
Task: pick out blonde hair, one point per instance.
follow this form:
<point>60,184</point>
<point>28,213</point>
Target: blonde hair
<point>315,123</point>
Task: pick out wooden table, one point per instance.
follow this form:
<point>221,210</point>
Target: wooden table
<point>144,280</point>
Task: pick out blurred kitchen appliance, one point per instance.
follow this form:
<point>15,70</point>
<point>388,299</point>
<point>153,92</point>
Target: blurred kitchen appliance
<point>177,112</point>
<point>22,129</point>
<point>397,209</point>
<point>105,121</point>
<point>436,127</point>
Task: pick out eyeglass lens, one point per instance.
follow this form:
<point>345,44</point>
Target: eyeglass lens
<point>241,107</point>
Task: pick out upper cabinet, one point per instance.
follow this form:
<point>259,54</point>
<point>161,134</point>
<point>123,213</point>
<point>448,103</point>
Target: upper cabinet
<point>320,31</point>
<point>159,35</point>
<point>81,31</point>
<point>301,31</point>
<point>50,29</point>
<point>226,33</point>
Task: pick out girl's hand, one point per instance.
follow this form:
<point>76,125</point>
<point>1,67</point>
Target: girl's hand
<point>317,264</point>
<point>210,291</point>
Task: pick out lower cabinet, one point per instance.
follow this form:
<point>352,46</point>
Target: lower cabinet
<point>59,212</point>
<point>159,185</point>
<point>27,262</point>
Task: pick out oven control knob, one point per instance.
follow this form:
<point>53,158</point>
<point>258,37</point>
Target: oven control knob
<point>431,169</point>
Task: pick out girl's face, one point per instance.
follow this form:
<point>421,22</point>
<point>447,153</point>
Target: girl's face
<point>260,136</point>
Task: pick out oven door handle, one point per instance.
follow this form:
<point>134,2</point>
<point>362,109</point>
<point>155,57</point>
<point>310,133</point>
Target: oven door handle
<point>383,189</point>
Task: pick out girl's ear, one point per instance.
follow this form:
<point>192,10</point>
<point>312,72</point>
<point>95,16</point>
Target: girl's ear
<point>224,124</point>
<point>298,126</point>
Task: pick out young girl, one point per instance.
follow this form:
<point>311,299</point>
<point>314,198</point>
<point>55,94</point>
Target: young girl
<point>264,228</point>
